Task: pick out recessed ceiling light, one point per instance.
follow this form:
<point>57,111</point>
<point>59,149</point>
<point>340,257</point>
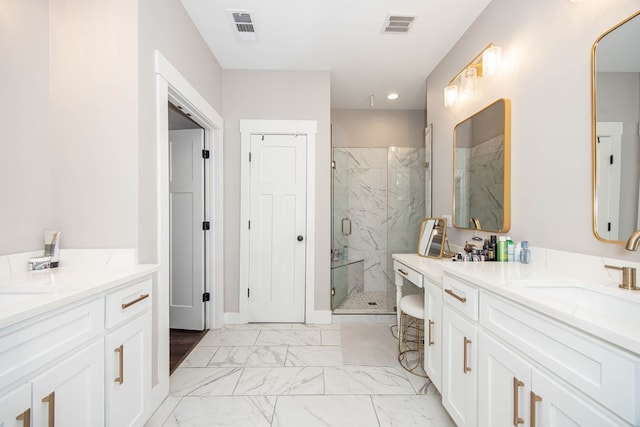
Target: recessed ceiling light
<point>393,96</point>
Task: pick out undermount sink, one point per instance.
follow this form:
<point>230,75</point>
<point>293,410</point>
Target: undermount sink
<point>611,311</point>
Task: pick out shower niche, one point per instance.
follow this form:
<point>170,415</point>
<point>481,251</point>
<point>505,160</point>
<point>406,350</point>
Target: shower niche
<point>378,201</point>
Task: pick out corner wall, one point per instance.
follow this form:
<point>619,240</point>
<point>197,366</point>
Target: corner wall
<point>276,95</point>
<point>546,48</point>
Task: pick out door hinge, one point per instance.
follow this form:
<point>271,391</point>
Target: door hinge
<point>249,225</point>
<point>248,292</point>
<point>608,226</point>
<point>205,154</point>
<point>611,159</point>
<point>333,292</point>
<point>206,297</point>
<point>249,155</point>
<point>206,225</point>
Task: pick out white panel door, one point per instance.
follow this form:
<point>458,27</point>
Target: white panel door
<point>186,214</point>
<point>277,245</point>
<point>608,160</point>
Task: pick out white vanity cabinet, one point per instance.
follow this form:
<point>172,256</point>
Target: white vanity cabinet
<point>539,371</point>
<point>58,368</point>
<point>460,352</point>
<point>433,333</point>
<point>58,359</point>
<point>128,355</point>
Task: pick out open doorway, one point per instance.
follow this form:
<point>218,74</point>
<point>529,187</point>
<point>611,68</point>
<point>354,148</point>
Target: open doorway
<point>188,158</point>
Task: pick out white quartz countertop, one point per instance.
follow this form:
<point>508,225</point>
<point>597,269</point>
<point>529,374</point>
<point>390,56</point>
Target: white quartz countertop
<point>587,298</point>
<point>26,294</point>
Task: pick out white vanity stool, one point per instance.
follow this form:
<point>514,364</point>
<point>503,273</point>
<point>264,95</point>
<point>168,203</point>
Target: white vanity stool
<point>411,334</point>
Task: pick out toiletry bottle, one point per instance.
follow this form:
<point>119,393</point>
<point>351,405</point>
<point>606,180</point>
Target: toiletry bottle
<point>501,253</point>
<point>510,250</point>
<point>493,247</point>
<point>525,253</point>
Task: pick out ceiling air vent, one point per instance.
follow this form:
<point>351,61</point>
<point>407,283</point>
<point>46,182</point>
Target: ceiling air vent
<point>399,22</point>
<point>243,25</point>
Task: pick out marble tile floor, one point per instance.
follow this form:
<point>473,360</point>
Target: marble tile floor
<point>291,375</point>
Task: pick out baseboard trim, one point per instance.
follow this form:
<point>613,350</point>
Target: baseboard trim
<point>232,319</point>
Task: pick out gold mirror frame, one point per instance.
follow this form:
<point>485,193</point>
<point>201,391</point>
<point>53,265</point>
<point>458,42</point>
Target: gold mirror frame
<point>475,222</point>
<point>431,240</point>
<point>594,132</point>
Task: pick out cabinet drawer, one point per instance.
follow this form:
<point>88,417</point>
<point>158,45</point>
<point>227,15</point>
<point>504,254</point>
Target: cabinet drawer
<point>128,302</point>
<point>607,375</point>
<point>461,295</point>
<point>408,273</point>
<point>25,349</point>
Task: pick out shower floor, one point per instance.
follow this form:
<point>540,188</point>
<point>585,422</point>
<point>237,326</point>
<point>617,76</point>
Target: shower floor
<point>366,303</point>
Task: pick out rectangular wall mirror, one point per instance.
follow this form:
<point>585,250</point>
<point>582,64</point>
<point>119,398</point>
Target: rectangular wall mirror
<point>432,237</point>
<point>482,169</point>
<point>615,74</point>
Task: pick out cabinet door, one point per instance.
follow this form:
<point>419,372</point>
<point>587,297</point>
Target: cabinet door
<point>555,405</point>
<point>128,367</point>
<point>460,368</point>
<point>433,334</point>
<point>504,385</point>
<point>15,407</point>
<point>71,393</point>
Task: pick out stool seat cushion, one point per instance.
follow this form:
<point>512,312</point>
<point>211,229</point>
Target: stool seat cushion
<point>413,305</point>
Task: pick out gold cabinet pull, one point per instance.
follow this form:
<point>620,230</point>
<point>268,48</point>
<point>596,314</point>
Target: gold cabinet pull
<point>120,351</point>
<point>51,400</point>
<point>25,417</point>
<point>431,323</point>
<point>532,402</point>
<point>465,368</point>
<point>516,418</point>
<point>456,296</point>
<point>135,301</point>
<point>401,271</point>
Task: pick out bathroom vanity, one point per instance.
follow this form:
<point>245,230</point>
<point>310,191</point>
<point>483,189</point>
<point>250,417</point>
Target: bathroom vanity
<point>75,346</point>
<point>551,343</point>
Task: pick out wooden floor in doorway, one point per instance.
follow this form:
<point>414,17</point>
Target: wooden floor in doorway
<point>181,342</point>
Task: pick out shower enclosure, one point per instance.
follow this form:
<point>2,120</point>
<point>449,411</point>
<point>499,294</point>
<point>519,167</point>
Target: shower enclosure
<point>378,201</point>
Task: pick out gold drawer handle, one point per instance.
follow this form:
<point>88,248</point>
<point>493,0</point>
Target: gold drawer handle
<point>135,301</point>
<point>25,417</point>
<point>465,368</point>
<point>533,399</point>
<point>51,400</point>
<point>431,323</point>
<point>120,351</point>
<point>516,418</point>
<point>401,271</point>
<point>456,296</point>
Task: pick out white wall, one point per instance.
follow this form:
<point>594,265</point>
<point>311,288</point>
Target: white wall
<point>377,128</point>
<point>278,95</point>
<point>25,173</point>
<point>94,122</point>
<point>546,48</point>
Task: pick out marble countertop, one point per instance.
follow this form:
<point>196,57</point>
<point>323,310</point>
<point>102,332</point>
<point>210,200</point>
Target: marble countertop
<point>26,294</point>
<point>583,295</point>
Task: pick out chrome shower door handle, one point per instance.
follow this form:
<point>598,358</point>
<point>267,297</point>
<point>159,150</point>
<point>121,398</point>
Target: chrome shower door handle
<point>346,221</point>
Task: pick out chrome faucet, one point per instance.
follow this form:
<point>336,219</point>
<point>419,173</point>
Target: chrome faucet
<point>633,241</point>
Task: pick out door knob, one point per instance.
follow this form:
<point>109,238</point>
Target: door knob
<point>300,238</point>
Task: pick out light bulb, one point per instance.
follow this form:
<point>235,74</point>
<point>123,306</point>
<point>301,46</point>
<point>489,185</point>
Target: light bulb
<point>450,95</point>
<point>491,60</point>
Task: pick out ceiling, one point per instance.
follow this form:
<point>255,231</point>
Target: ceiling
<point>345,37</point>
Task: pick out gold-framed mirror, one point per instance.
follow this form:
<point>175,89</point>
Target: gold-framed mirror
<point>482,169</point>
<point>615,111</point>
<point>432,237</point>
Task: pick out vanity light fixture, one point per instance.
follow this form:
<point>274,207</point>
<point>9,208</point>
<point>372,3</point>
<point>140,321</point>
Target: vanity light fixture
<point>486,63</point>
<point>393,96</point>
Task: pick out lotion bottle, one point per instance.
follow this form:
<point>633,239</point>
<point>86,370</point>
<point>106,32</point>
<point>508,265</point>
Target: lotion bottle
<point>502,249</point>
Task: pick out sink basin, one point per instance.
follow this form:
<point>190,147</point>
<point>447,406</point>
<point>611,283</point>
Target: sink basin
<point>611,311</point>
<point>9,299</point>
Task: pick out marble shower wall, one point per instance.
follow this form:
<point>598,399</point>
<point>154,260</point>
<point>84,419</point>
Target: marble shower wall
<point>381,191</point>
